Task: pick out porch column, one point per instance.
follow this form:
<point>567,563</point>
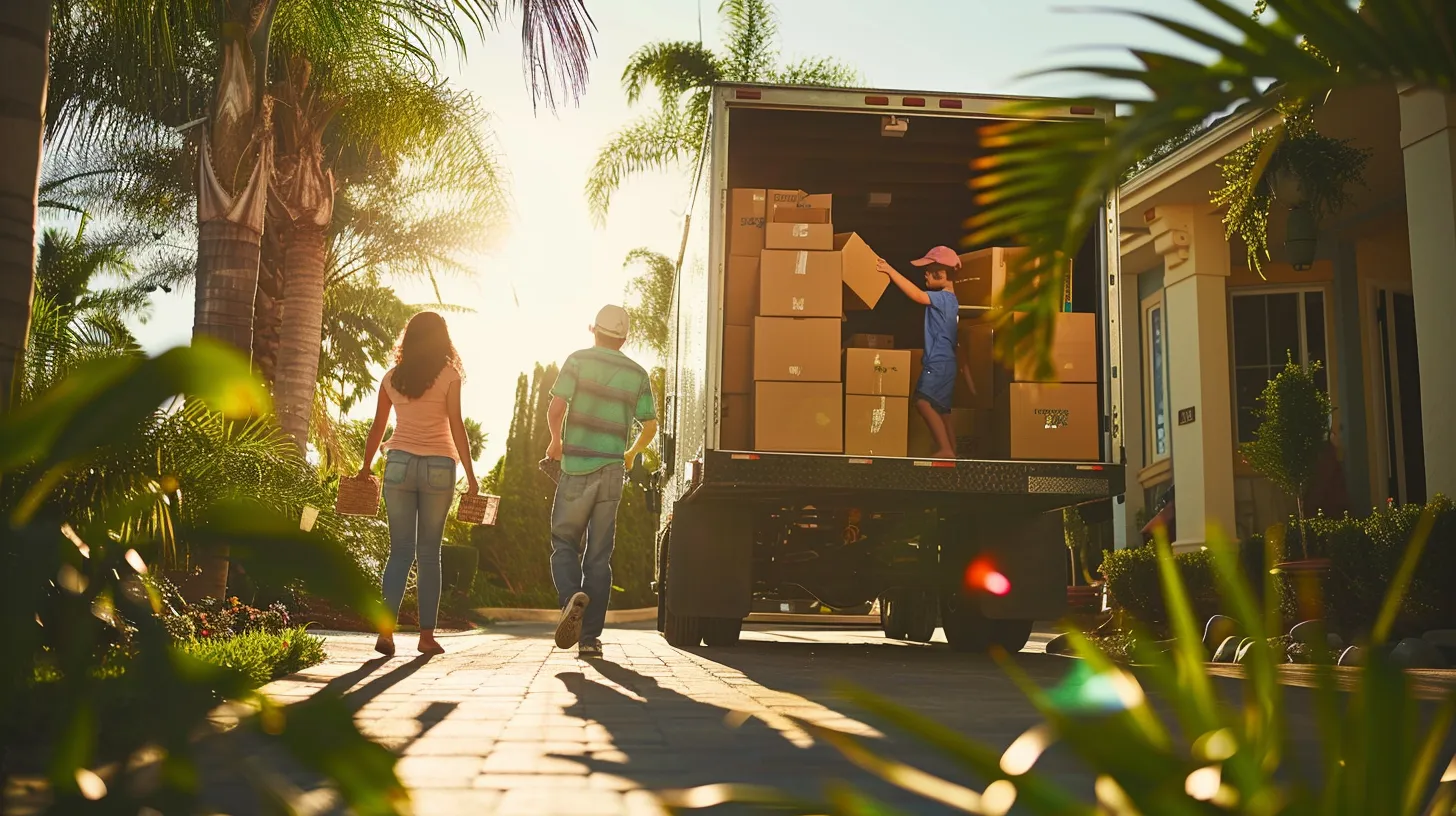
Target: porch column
<point>1196,262</point>
<point>1428,140</point>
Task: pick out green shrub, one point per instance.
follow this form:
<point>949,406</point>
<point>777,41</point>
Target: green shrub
<point>260,655</point>
<point>458,565</point>
<point>1365,554</point>
<point>1136,586</point>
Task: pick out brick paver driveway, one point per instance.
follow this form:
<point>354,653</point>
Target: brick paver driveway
<point>504,723</point>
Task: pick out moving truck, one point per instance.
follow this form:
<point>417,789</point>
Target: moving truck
<point>762,507</point>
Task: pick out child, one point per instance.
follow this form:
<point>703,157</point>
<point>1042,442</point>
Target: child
<point>937,375</point>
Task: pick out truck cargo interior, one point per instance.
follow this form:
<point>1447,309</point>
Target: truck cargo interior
<point>925,172</point>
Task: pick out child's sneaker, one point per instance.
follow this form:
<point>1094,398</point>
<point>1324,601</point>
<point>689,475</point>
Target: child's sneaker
<point>590,649</point>
<point>568,628</point>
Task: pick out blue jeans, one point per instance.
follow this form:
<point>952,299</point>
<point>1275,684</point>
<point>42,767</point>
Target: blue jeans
<point>584,512</point>
<point>418,492</point>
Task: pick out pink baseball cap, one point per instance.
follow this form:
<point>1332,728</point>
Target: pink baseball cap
<point>943,255</point>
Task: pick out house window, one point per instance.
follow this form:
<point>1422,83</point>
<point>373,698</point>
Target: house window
<point>1268,328</point>
<point>1155,354</point>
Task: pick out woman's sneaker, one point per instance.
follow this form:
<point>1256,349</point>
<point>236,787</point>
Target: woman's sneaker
<point>568,628</point>
<point>590,649</point>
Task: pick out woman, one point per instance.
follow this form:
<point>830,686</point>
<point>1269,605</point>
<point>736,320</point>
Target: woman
<point>429,440</point>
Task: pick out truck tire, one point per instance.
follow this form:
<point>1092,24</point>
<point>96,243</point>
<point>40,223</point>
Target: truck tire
<point>722,631</point>
<point>1010,635</point>
<point>662,578</point>
<point>683,631</point>
<point>892,623</point>
<point>966,629</point>
<point>910,616</point>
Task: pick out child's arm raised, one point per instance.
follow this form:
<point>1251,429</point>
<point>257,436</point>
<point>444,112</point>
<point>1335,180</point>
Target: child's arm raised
<point>911,291</point>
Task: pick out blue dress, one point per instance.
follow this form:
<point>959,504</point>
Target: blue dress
<point>937,376</point>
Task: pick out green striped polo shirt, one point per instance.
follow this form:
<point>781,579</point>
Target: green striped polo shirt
<point>606,392</point>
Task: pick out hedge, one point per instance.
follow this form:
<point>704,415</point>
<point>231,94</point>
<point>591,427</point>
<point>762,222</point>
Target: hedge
<point>1136,586</point>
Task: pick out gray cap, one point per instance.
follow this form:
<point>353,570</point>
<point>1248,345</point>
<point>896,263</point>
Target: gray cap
<point>612,321</point>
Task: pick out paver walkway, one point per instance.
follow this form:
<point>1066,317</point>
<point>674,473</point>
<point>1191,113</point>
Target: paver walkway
<point>503,723</point>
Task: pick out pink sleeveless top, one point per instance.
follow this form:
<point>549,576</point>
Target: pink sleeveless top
<point>422,425</point>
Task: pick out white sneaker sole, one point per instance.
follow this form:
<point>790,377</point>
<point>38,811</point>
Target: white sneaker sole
<point>568,629</point>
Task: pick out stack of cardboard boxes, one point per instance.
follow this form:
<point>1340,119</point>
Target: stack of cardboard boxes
<point>789,280</point>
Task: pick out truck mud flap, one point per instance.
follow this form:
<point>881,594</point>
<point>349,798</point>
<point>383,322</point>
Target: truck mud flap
<point>1031,552</point>
<point>710,559</point>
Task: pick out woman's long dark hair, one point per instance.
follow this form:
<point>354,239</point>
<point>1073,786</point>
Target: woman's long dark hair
<point>423,351</point>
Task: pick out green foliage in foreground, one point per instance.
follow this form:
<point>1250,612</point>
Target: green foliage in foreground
<point>71,588</point>
<point>1382,751</point>
<point>260,656</point>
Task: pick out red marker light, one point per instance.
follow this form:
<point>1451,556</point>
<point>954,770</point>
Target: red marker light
<point>982,576</point>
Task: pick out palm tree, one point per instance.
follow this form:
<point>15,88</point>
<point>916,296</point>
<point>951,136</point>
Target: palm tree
<point>684,73</point>
<point>24,36</point>
<point>1042,185</point>
<point>652,291</point>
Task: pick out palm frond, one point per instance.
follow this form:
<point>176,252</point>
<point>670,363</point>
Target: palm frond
<point>822,71</point>
<point>556,48</point>
<point>652,143</point>
<point>752,34</point>
<point>650,296</point>
<point>673,67</point>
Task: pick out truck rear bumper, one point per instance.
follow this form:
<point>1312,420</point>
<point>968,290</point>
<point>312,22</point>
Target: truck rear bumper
<point>1058,483</point>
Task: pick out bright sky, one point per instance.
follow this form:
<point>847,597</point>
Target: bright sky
<point>535,294</point>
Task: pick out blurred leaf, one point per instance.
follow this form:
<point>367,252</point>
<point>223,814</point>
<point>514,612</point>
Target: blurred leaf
<point>320,733</point>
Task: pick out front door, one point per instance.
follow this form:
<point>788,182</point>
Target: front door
<point>1399,362</point>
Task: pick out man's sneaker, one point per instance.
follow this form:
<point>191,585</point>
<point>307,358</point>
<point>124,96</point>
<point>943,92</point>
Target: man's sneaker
<point>589,649</point>
<point>568,629</point>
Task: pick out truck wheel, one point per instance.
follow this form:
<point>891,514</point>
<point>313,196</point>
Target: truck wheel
<point>662,579</point>
<point>966,629</point>
<point>1010,635</point>
<point>892,617</point>
<point>683,631</point>
<point>722,631</point>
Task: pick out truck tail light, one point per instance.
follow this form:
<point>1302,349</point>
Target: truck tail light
<point>744,93</point>
<point>877,100</point>
<point>951,104</point>
<point>913,102</point>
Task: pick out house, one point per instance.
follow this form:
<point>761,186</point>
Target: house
<point>1202,333</point>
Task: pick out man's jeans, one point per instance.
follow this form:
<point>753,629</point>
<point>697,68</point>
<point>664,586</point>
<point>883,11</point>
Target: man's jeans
<point>585,512</point>
<point>418,492</point>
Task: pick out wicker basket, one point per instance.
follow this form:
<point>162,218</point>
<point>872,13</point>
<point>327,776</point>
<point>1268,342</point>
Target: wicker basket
<point>479,508</point>
<point>358,496</point>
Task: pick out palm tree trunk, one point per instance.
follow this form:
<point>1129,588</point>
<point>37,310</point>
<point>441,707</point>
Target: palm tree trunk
<point>302,331</point>
<point>25,27</point>
<point>235,164</point>
<point>268,302</point>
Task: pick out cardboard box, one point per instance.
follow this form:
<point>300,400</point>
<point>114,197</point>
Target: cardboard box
<point>788,197</point>
<point>737,360</point>
<point>1053,421</point>
<point>812,237</point>
<point>876,426</point>
<point>791,349</point>
<point>983,273</point>
<point>874,341</point>
<point>800,284</point>
<point>866,284</point>
<point>1073,351</point>
<point>975,347</point>
<point>740,298</point>
<point>877,372</point>
<point>810,209</point>
<point>796,417</point>
<point>747,211</point>
<point>976,434</point>
<point>735,426</point>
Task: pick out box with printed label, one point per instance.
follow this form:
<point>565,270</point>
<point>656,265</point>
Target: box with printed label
<point>747,213</point>
<point>800,284</point>
<point>875,341</point>
<point>812,237</point>
<point>735,428</point>
<point>1054,421</point>
<point>740,300</point>
<point>1073,353</point>
<point>865,282</point>
<point>876,426</point>
<point>811,209</point>
<point>794,349</point>
<point>737,360</point>
<point>877,372</point>
<point>798,417</point>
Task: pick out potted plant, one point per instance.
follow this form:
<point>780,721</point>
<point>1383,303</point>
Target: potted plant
<point>1294,428</point>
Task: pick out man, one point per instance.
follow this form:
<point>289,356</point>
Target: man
<point>596,399</point>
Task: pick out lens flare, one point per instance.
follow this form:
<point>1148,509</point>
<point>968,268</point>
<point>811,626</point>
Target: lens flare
<point>982,576</point>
